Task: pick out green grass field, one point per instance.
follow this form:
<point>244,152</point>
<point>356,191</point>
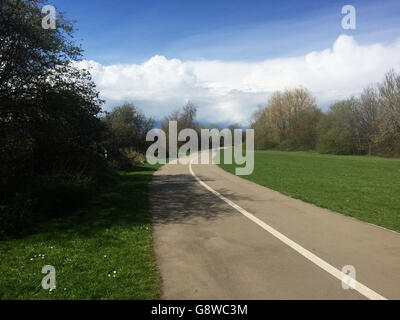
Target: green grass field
<point>367,188</point>
<point>101,252</point>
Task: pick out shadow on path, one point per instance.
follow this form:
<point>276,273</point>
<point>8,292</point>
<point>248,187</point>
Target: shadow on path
<point>178,198</point>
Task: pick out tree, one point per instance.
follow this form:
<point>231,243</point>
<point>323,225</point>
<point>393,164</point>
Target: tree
<point>262,138</point>
<point>48,108</point>
<point>30,54</point>
<point>388,136</point>
<point>366,114</point>
<point>128,128</point>
<point>337,133</point>
<point>185,118</point>
<point>289,121</point>
<point>50,132</point>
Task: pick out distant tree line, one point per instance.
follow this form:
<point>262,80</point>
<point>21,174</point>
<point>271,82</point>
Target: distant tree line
<point>185,118</point>
<point>367,124</point>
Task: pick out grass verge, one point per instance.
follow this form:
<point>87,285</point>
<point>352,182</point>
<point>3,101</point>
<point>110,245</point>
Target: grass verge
<point>366,188</point>
<point>103,251</point>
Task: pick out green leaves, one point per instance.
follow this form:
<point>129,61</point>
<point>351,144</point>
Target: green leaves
<point>48,107</point>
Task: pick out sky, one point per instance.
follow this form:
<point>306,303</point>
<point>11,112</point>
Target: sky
<point>228,57</point>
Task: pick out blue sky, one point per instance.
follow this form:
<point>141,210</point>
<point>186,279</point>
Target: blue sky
<point>227,57</point>
<point>131,31</point>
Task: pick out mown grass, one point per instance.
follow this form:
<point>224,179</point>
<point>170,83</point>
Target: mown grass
<point>367,188</point>
<point>103,251</point>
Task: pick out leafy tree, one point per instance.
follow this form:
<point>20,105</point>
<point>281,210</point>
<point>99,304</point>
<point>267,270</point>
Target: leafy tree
<point>50,133</point>
<point>387,137</point>
<point>368,124</point>
<point>262,138</point>
<point>289,121</point>
<point>128,128</point>
<point>337,132</point>
<point>48,107</point>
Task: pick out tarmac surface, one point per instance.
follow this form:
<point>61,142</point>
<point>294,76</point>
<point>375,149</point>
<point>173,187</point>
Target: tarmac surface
<point>218,236</point>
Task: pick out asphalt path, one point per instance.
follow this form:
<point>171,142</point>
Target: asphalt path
<point>218,236</point>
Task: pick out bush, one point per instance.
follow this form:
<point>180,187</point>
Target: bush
<point>333,142</point>
<point>287,145</point>
<point>337,132</point>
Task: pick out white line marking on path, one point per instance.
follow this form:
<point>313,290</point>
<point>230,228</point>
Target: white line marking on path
<point>364,290</point>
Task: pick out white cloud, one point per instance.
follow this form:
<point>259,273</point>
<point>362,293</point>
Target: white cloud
<point>230,91</point>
